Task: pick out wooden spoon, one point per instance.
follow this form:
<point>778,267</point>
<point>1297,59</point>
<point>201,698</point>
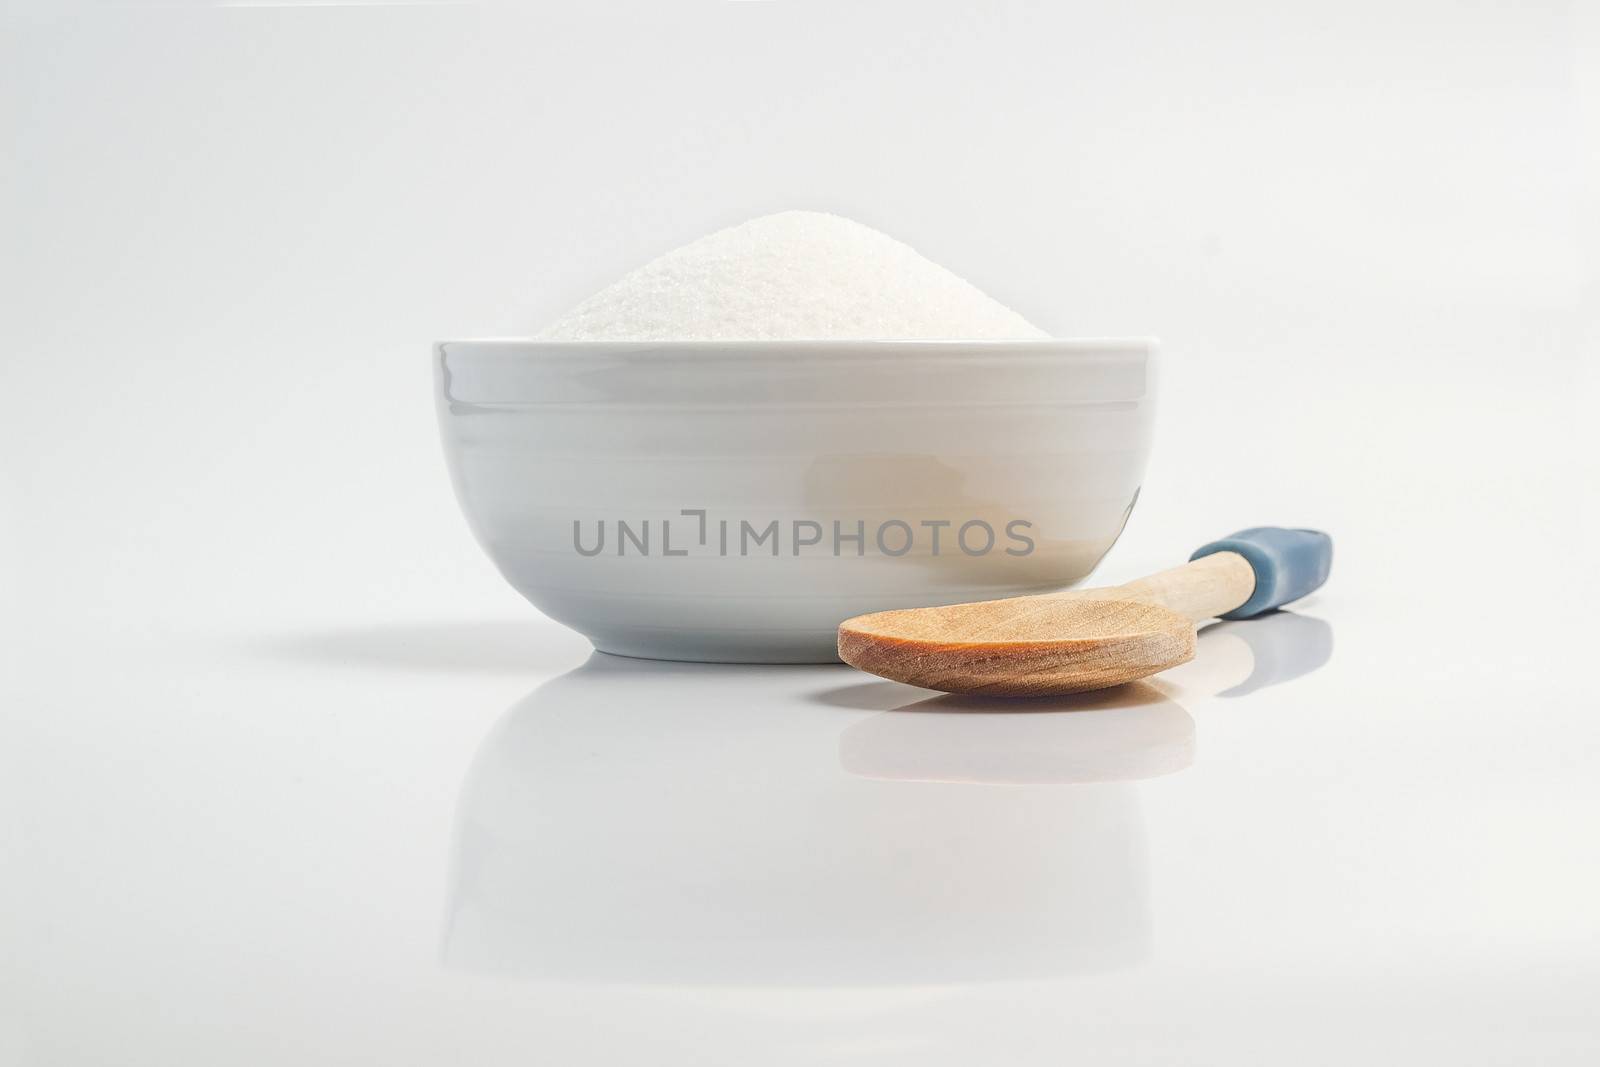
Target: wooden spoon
<point>1078,640</point>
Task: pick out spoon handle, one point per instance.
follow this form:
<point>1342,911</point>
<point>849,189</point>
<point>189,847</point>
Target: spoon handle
<point>1198,590</point>
<point>1239,577</point>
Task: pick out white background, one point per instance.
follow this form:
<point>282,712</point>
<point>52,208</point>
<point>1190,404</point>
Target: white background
<point>251,649</point>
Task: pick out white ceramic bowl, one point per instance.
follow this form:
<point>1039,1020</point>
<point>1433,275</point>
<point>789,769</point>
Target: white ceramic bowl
<point>702,500</point>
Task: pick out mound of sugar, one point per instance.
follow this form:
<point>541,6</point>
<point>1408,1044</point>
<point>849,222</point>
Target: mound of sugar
<point>798,275</point>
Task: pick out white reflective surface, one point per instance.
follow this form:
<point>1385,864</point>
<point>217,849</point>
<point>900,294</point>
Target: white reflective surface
<point>289,774</point>
<point>383,843</point>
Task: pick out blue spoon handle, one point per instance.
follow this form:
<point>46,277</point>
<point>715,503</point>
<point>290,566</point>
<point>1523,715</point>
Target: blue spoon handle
<point>1288,564</point>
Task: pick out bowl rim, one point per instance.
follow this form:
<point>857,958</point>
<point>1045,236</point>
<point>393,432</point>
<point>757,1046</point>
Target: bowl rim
<point>821,349</point>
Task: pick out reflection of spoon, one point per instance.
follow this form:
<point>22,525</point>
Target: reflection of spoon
<point>1240,659</point>
<point>689,824</point>
<point>1121,734</point>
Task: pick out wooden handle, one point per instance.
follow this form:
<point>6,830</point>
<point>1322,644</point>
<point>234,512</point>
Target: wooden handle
<point>1210,586</point>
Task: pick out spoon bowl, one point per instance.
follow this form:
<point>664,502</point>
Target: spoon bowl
<point>1021,646</point>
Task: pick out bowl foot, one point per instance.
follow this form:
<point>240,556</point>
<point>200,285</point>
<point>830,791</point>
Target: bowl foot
<point>719,646</point>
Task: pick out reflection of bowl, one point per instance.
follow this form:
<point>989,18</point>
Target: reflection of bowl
<point>636,822</point>
<point>737,500</point>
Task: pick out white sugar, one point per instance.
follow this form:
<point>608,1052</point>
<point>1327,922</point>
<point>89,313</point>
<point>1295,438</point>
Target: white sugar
<point>798,275</point>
